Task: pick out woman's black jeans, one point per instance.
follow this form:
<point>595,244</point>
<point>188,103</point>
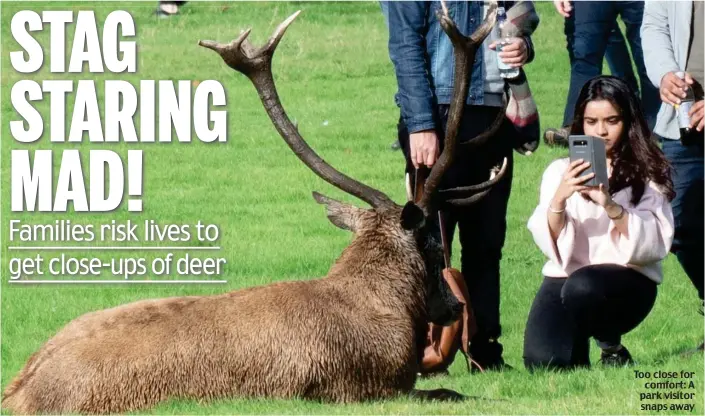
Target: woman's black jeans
<point>601,301</point>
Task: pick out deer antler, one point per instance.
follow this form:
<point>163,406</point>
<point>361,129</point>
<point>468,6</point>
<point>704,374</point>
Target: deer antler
<point>465,49</point>
<point>256,64</point>
<point>483,188</point>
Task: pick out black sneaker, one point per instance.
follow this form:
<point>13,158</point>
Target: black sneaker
<point>556,137</point>
<point>620,358</point>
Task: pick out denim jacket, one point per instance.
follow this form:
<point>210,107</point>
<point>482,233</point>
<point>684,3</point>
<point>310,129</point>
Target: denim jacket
<point>423,58</point>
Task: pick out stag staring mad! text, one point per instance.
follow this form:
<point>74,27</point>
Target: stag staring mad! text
<point>162,112</point>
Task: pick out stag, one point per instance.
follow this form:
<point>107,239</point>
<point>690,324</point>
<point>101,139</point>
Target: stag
<point>354,335</point>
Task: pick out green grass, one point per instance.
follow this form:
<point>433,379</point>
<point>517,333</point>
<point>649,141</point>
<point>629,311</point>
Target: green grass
<point>335,78</point>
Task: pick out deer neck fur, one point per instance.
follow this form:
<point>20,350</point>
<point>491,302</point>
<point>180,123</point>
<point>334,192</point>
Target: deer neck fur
<point>389,271</point>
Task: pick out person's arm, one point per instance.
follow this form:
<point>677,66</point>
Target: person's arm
<point>534,18</point>
<point>556,218</point>
<point>563,7</point>
<point>529,18</point>
<point>407,50</point>
<point>571,181</point>
<point>619,217</point>
<point>643,234</point>
<point>551,224</point>
<point>659,57</point>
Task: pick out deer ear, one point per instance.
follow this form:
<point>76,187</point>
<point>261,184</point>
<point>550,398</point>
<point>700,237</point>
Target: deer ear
<point>412,217</point>
<point>342,215</point>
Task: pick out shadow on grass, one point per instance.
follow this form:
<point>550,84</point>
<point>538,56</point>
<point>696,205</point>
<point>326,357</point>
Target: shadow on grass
<point>666,355</point>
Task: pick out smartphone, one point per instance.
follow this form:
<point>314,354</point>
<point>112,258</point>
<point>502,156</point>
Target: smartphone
<point>590,149</point>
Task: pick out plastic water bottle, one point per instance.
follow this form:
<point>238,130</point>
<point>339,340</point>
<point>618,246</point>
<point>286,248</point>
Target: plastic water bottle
<point>505,71</point>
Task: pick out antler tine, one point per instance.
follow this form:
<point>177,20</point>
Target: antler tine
<point>486,27</point>
<point>481,186</point>
<point>280,30</point>
<point>468,201</point>
<point>482,138</point>
<point>464,50</point>
<point>256,64</point>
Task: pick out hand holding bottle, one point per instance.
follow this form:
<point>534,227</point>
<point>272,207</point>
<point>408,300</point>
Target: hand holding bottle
<point>510,59</point>
<point>511,51</point>
<point>689,116</point>
<point>674,86</point>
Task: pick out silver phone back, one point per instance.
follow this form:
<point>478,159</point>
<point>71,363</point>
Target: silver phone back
<point>590,149</point>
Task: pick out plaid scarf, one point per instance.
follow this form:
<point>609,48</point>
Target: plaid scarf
<point>522,20</point>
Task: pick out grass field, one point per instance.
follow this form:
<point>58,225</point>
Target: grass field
<point>336,80</point>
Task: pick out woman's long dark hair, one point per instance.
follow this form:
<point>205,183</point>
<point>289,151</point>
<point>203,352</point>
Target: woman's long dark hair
<point>636,158</point>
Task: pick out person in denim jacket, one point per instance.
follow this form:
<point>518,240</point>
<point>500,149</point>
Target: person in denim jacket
<point>423,60</point>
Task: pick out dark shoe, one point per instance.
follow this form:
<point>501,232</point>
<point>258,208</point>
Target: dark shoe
<point>556,137</point>
<point>396,145</point>
<point>620,358</point>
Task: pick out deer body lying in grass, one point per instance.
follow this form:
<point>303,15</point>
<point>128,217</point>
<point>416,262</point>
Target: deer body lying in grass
<point>354,335</point>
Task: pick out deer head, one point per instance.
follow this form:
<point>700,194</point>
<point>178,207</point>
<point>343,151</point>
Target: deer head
<point>411,219</point>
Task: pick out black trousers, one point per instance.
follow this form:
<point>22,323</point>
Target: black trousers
<point>601,301</point>
<point>481,226</point>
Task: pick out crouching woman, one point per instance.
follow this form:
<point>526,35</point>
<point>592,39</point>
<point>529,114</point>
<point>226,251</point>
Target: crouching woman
<point>604,244</point>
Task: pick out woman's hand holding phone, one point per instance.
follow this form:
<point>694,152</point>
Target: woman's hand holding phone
<point>571,183</point>
<point>598,195</point>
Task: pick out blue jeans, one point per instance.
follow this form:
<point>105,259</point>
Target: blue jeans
<point>618,59</point>
<point>687,162</point>
<point>588,32</point>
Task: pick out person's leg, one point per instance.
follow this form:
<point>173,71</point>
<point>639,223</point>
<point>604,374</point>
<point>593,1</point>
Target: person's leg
<point>607,301</point>
<point>632,13</point>
<point>551,339</point>
<point>593,22</point>
<point>559,136</point>
<point>450,218</point>
<point>618,58</point>
<point>688,212</point>
<point>482,227</point>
